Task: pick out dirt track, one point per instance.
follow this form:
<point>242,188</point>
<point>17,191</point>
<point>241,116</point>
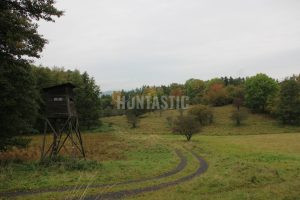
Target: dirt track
<point>124,193</point>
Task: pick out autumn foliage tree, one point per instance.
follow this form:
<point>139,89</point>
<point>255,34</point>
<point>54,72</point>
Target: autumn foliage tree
<point>217,95</point>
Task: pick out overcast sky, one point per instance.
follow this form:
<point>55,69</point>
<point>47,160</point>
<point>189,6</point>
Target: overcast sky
<point>125,44</point>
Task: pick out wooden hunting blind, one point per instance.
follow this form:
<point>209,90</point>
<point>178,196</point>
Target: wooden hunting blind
<point>59,101</point>
<point>61,120</point>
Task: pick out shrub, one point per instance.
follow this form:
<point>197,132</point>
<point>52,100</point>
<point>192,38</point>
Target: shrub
<point>239,115</point>
<point>132,118</point>
<point>170,121</point>
<point>186,125</point>
<point>202,113</point>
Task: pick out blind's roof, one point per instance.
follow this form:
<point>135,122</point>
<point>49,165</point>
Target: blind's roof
<point>65,85</point>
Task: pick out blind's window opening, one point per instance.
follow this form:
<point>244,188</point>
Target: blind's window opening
<point>58,99</point>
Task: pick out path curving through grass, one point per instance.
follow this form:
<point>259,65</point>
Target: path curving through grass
<point>125,193</point>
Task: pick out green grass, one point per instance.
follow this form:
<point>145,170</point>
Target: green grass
<point>254,161</point>
<point>242,167</point>
<point>138,162</point>
<point>104,128</point>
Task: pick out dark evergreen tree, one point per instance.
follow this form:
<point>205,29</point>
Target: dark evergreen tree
<point>18,103</point>
<point>88,104</point>
<point>20,41</point>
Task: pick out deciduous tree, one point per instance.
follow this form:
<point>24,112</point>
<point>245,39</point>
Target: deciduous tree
<point>195,89</point>
<point>217,95</point>
<point>186,125</point>
<point>289,101</point>
<point>258,89</point>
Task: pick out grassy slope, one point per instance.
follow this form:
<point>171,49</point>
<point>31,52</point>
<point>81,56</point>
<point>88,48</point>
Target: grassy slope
<point>255,124</point>
<point>153,123</point>
<point>241,166</point>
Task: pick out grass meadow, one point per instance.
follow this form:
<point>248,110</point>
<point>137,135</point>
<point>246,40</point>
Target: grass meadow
<point>258,160</point>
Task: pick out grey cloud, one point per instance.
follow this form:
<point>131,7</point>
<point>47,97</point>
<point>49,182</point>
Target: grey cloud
<point>128,43</point>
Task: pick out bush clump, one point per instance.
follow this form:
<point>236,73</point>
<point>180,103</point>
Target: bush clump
<point>202,113</point>
<point>239,115</point>
<point>132,118</point>
<point>170,121</point>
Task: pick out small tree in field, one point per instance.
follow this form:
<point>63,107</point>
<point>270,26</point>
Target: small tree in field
<point>186,125</point>
<point>239,115</point>
<point>132,117</point>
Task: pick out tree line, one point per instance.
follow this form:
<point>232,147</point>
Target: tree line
<point>260,93</point>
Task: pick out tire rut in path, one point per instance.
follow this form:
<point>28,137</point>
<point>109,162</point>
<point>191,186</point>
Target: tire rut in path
<point>125,193</point>
<point>181,165</point>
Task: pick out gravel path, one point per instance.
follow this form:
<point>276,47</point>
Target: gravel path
<point>181,165</point>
